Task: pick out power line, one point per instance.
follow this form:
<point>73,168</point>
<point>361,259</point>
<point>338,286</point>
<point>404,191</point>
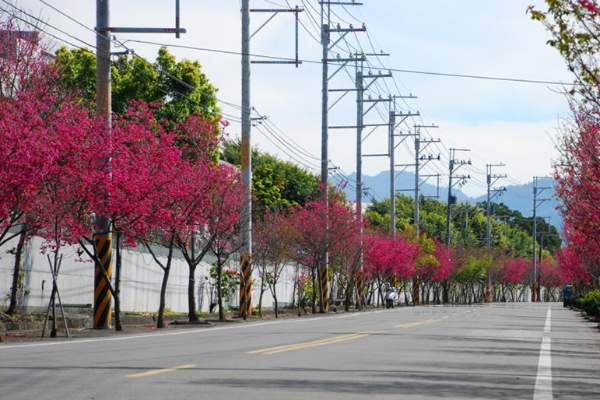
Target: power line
<point>444,74</point>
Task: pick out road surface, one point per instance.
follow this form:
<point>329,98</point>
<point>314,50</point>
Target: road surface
<point>498,351</point>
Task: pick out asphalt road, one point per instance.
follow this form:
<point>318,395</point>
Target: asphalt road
<point>500,351</point>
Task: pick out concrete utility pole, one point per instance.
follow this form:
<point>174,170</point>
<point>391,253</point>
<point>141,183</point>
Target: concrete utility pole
<point>391,151</point>
<point>419,158</point>
<point>246,155</point>
<point>360,124</point>
<point>246,150</point>
<point>453,166</point>
<point>326,31</point>
<point>491,179</point>
<point>542,234</point>
<point>536,202</point>
<point>102,235</point>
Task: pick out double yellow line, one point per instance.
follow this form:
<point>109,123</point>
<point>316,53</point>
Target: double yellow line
<point>323,342</point>
<point>412,324</point>
<point>337,339</point>
<point>160,371</point>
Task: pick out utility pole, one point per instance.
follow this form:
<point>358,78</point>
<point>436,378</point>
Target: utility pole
<point>246,156</point>
<point>542,234</point>
<point>491,179</point>
<point>536,202</point>
<point>453,166</point>
<point>246,148</point>
<point>102,234</point>
<point>360,124</point>
<point>419,158</point>
<point>391,151</point>
<point>326,31</point>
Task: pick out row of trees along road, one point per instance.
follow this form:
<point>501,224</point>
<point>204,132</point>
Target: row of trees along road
<point>160,163</point>
<point>167,187</point>
<point>574,26</point>
<point>280,239</point>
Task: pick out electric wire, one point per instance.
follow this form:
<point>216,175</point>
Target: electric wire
<point>348,46</point>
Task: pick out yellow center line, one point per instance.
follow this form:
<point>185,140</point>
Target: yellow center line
<point>160,371</point>
<point>323,342</point>
<point>446,317</point>
<point>412,324</point>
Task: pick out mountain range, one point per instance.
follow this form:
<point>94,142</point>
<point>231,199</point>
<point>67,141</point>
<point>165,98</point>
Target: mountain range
<point>516,197</point>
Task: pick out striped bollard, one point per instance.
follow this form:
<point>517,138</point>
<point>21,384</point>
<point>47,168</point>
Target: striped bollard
<point>360,289</point>
<point>249,288</point>
<point>325,288</point>
<point>245,281</point>
<point>102,294</point>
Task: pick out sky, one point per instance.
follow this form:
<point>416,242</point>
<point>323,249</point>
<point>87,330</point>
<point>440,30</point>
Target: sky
<point>498,121</point>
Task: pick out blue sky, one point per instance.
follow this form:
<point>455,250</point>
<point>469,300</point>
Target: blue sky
<point>501,122</point>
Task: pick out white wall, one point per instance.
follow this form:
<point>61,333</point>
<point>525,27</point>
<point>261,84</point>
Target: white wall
<point>141,280</point>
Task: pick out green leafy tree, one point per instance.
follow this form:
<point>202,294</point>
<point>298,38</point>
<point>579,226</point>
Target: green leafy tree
<point>515,224</point>
<point>181,87</point>
<point>276,184</point>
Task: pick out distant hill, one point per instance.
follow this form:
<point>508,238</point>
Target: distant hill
<point>517,197</point>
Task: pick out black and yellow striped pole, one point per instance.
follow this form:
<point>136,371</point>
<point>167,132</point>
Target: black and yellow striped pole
<point>360,284</point>
<point>393,281</point>
<point>324,288</point>
<point>102,293</point>
<point>102,236</point>
<point>245,287</point>
<point>246,168</point>
<point>249,289</point>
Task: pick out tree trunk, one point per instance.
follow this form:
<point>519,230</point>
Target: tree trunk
<point>262,291</point>
<point>117,294</point>
<point>349,290</point>
<point>314,294</point>
<point>321,295</point>
<point>294,291</point>
<point>445,297</point>
<point>53,300</point>
<point>219,290</point>
<point>193,316</point>
<point>53,295</point>
<point>160,323</point>
<point>14,291</point>
<point>275,299</point>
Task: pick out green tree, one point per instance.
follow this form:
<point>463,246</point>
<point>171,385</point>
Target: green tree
<point>276,184</point>
<point>511,233</point>
<point>515,223</point>
<point>181,87</point>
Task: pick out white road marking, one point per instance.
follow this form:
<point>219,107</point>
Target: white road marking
<point>543,380</point>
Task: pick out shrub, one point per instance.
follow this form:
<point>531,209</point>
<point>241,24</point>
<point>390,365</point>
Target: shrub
<point>590,303</point>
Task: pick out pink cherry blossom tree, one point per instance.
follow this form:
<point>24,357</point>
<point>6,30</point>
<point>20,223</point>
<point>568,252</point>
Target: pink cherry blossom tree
<point>318,228</point>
